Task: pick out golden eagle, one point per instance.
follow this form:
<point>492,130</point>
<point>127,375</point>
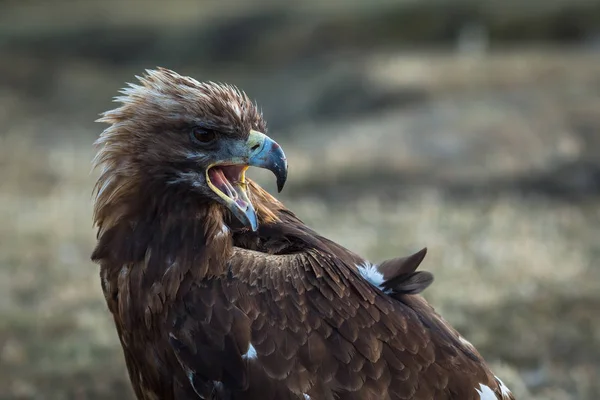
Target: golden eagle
<point>218,291</point>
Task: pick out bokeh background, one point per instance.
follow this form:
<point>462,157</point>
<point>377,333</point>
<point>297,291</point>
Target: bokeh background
<point>467,126</point>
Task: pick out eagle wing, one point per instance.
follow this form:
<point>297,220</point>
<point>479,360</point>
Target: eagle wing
<point>295,318</point>
<point>307,325</point>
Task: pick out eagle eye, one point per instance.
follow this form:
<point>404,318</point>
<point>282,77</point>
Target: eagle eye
<point>203,135</point>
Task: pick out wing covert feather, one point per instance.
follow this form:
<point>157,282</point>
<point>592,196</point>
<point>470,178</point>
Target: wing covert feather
<point>311,324</point>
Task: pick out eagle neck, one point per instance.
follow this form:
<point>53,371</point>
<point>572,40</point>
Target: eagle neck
<point>166,231</point>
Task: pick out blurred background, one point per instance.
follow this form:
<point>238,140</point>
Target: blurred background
<point>467,126</point>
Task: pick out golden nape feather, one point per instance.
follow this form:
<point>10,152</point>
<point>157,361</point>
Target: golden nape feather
<point>218,291</point>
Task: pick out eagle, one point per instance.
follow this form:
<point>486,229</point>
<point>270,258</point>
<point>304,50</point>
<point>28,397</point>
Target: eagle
<point>218,291</point>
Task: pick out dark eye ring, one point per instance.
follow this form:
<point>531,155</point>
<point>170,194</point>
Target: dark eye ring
<point>202,135</point>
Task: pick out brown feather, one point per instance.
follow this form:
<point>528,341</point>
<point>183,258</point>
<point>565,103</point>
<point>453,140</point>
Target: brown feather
<point>400,277</point>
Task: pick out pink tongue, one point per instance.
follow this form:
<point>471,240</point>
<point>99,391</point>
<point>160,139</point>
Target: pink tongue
<point>217,177</point>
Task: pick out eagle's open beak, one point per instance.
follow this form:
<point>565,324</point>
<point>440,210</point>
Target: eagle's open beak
<point>227,178</point>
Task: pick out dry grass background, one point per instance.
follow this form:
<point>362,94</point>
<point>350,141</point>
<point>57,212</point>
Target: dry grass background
<point>491,160</point>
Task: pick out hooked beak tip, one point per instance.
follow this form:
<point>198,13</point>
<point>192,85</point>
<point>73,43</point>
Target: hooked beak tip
<point>269,155</point>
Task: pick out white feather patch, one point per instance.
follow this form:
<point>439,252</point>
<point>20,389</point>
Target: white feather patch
<point>369,272</point>
<point>250,354</point>
<point>486,393</point>
<point>504,390</point>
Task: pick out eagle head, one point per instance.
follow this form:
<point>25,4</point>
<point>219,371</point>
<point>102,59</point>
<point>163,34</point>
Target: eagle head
<point>176,132</point>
